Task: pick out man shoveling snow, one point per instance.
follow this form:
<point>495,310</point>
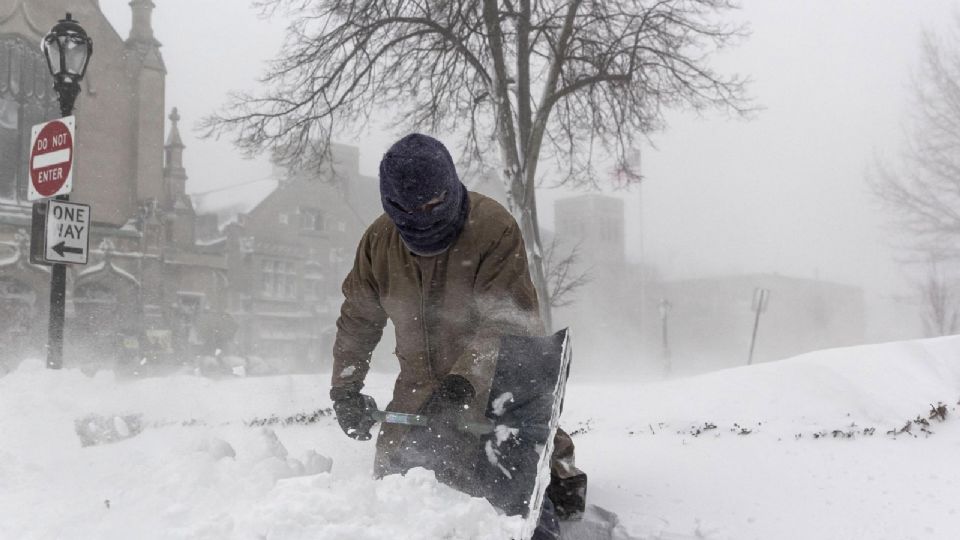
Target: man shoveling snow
<point>448,267</point>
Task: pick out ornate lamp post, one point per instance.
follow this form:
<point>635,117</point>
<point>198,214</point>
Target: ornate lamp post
<point>68,49</point>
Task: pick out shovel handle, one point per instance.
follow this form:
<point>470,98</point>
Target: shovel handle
<point>408,419</point>
<point>537,432</point>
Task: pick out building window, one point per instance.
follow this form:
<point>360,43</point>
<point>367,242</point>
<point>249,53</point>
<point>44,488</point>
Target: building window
<point>336,255</point>
<point>279,278</point>
<point>313,281</point>
<point>284,219</point>
<point>311,220</point>
<point>189,302</point>
<point>26,99</point>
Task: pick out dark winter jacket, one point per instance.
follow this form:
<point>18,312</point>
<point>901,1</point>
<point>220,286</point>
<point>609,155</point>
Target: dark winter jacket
<point>448,309</point>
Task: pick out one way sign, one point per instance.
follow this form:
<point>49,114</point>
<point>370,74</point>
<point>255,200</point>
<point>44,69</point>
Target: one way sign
<point>67,232</point>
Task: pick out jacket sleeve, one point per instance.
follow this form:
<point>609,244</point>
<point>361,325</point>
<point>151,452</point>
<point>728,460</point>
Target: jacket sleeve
<point>360,325</point>
<point>506,304</point>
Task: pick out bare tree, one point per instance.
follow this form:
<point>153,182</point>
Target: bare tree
<point>563,272</point>
<point>941,308</point>
<point>923,192</point>
<point>517,79</point>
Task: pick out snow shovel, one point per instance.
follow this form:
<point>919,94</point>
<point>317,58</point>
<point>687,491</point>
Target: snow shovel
<point>522,414</point>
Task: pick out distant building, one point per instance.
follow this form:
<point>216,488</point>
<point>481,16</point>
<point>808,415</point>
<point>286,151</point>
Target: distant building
<point>594,223</point>
<point>604,313</point>
<point>288,255</point>
<point>709,321</point>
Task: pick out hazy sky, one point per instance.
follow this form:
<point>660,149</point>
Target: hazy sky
<point>783,192</point>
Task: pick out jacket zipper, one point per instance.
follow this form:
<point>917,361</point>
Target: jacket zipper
<point>423,320</point>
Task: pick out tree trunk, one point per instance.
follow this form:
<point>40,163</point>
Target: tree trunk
<point>531,237</point>
<point>521,197</point>
<point>523,206</point>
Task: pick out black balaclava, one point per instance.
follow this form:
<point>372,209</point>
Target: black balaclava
<point>415,171</point>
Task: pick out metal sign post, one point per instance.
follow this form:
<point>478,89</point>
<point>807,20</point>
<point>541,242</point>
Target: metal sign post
<point>665,306</point>
<point>760,299</point>
<point>67,48</point>
<point>51,175</point>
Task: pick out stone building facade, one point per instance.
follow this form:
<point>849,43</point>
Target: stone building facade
<point>153,293</point>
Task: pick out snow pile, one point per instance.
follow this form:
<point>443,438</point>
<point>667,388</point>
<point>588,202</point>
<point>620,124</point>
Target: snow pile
<point>411,507</point>
<point>870,385</point>
<point>199,466</point>
<point>816,446</point>
<point>810,447</point>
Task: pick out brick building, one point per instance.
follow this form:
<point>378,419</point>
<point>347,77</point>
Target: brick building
<point>287,256</point>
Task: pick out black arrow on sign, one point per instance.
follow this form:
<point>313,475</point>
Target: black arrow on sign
<point>62,248</point>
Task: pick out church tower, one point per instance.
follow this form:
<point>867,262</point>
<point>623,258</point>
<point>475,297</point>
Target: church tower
<point>174,174</point>
<point>150,78</point>
<point>178,209</point>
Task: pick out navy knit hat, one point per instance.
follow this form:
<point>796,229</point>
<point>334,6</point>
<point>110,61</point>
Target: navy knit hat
<point>422,194</point>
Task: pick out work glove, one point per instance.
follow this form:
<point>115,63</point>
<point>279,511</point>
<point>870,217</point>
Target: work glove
<point>353,411</point>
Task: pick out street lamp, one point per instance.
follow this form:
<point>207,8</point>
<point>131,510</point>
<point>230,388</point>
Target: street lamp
<point>68,49</point>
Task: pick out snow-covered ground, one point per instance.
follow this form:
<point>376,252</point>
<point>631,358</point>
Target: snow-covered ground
<point>811,447</point>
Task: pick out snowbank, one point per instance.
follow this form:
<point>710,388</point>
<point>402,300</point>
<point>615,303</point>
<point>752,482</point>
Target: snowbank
<point>199,470</point>
<point>811,447</point>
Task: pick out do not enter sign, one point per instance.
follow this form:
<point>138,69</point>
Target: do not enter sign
<point>51,159</point>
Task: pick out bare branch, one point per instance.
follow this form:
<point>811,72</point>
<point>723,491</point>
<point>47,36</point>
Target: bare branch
<point>923,193</point>
<point>564,273</point>
<point>941,313</point>
<point>579,82</point>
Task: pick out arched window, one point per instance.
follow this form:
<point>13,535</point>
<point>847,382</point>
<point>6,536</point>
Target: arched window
<point>26,98</point>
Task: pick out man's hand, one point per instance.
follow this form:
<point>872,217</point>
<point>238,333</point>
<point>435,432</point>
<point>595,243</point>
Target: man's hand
<point>352,411</point>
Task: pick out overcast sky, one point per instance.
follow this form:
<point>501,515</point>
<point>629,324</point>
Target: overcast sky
<point>783,192</point>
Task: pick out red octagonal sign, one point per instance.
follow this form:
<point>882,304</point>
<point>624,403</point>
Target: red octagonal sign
<point>51,159</point>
